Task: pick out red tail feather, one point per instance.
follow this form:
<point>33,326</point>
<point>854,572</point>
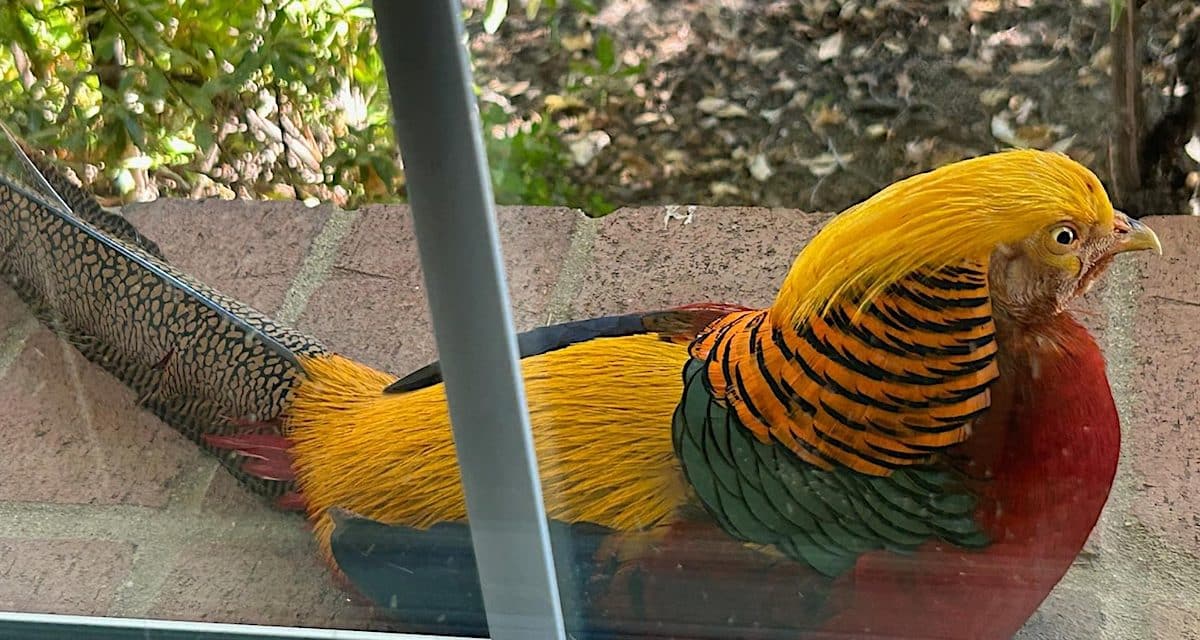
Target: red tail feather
<point>269,454</point>
<point>292,501</point>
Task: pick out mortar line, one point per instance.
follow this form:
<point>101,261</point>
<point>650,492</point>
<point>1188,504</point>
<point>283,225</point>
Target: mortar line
<point>135,523</point>
<point>71,359</point>
<point>154,560</point>
<point>315,268</point>
<point>561,304</point>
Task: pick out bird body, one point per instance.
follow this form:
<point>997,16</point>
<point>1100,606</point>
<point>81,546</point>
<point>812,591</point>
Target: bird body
<point>914,439</point>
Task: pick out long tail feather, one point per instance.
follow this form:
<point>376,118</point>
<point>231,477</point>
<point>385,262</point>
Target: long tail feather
<point>200,360</point>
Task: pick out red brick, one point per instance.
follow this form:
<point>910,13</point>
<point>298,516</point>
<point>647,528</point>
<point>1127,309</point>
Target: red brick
<point>1166,367</point>
<point>373,308</point>
<point>641,262</point>
<point>77,577</point>
<point>248,250</point>
<point>55,452</point>
<point>251,582</point>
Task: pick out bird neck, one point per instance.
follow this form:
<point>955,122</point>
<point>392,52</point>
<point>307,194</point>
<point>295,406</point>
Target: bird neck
<point>872,388</point>
<point>1051,443</point>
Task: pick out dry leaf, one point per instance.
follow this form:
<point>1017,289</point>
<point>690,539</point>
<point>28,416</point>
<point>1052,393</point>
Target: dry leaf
<point>1102,58</point>
<point>584,148</point>
<point>1033,67</point>
<point>719,189</point>
<point>1022,107</point>
<point>643,119</point>
<point>672,213</point>
<point>827,116</point>
<point>830,47</point>
<point>799,100</point>
<point>824,164</point>
<point>731,111</point>
<point>993,97</point>
<point>977,10</point>
<point>897,47</point>
<point>917,151</point>
<point>975,69</point>
<point>760,169</point>
<point>516,88</point>
<point>711,105</point>
<point>1062,145</point>
<point>1012,37</point>
<point>784,84</point>
<point>764,56</point>
<point>578,42</point>
<point>1003,131</point>
<point>555,102</point>
<point>1038,136</point>
<point>904,85</point>
<point>1193,148</point>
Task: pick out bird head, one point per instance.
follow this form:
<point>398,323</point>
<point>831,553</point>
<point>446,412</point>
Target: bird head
<point>1038,276</point>
<point>1040,222</point>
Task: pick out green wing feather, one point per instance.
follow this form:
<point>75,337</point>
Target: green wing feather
<point>762,493</point>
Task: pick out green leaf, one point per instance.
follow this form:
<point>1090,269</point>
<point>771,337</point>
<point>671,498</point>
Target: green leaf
<point>123,179</point>
<point>203,134</point>
<point>136,133</point>
<point>531,8</point>
<point>362,12</point>
<point>180,146</point>
<point>494,14</point>
<point>137,162</point>
<point>1115,8</point>
<point>585,6</point>
<point>606,53</point>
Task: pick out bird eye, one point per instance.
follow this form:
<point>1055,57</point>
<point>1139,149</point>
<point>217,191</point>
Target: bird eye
<point>1064,236</point>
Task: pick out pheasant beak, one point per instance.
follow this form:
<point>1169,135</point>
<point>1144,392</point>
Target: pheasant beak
<point>1132,235</point>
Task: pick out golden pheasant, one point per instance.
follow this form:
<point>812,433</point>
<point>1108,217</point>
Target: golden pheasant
<point>914,440</point>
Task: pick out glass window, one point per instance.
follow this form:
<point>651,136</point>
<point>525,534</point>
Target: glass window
<point>734,412</point>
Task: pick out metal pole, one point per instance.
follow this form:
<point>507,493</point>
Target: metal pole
<point>438,129</point>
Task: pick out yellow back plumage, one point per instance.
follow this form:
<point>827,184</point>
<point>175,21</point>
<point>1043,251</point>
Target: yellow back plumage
<point>957,213</point>
<point>600,412</point>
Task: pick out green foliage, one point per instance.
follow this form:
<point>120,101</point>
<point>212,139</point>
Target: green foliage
<point>495,11</point>
<point>1115,7</point>
<point>529,160</point>
<point>526,164</point>
<point>226,97</point>
<point>214,96</point>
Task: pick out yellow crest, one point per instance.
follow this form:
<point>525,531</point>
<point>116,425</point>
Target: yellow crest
<point>954,214</point>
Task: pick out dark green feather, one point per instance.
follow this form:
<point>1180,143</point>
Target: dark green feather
<point>763,493</point>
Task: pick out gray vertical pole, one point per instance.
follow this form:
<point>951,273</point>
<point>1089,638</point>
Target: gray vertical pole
<point>438,128</point>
